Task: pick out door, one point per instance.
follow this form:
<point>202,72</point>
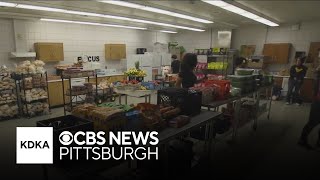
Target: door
<point>268,50</point>
<point>313,52</point>
<point>281,53</point>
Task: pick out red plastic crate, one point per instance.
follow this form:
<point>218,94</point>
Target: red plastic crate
<point>224,87</point>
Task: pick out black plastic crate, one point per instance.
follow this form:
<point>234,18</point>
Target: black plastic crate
<point>65,123</point>
<point>188,100</point>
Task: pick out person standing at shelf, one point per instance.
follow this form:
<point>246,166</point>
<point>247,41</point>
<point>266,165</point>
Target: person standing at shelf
<point>186,77</point>
<point>297,74</point>
<point>314,116</point>
<point>175,65</point>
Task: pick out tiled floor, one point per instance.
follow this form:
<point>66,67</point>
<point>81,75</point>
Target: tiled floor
<point>269,152</point>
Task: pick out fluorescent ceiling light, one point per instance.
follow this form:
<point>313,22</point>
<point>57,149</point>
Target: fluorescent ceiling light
<point>40,8</point>
<point>6,4</point>
<point>49,9</point>
<point>156,10</point>
<point>172,32</point>
<point>242,12</point>
<point>91,23</point>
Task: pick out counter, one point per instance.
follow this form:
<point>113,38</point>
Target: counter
<point>99,76</point>
<point>278,76</point>
<point>55,87</point>
<point>306,90</point>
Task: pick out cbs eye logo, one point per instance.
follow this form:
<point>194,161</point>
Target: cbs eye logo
<point>66,138</point>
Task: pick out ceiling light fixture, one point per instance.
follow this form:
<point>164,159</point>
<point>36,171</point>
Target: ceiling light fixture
<point>156,10</point>
<point>171,32</point>
<point>6,4</point>
<point>92,23</point>
<point>49,9</point>
<point>242,12</point>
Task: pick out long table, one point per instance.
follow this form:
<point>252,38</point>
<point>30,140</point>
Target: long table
<point>237,103</point>
<point>205,118</point>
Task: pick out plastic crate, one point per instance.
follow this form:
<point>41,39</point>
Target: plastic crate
<point>65,123</point>
<point>188,100</point>
<point>223,86</point>
<point>134,121</point>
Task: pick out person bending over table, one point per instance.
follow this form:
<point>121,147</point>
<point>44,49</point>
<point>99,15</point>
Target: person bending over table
<point>186,77</point>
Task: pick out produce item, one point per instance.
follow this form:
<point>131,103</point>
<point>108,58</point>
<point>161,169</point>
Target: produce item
<point>6,83</point>
<point>28,67</point>
<point>104,118</point>
<point>4,71</point>
<point>179,121</point>
<point>35,94</point>
<point>166,109</point>
<point>7,98</point>
<point>218,65</point>
<point>27,82</point>
<point>151,116</point>
<point>35,108</point>
<point>82,110</point>
<point>123,107</point>
<point>39,66</point>
<point>8,111</point>
<point>171,113</point>
<point>135,72</point>
<point>104,84</point>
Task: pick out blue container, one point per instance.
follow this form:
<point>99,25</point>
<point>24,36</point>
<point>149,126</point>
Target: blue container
<point>134,122</point>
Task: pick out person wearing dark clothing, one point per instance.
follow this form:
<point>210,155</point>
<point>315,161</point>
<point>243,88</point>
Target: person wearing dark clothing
<point>187,78</point>
<point>175,65</point>
<point>314,117</point>
<point>297,74</point>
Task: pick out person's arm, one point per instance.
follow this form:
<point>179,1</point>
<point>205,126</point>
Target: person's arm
<point>292,71</point>
<point>179,82</point>
<point>172,64</point>
<point>305,69</point>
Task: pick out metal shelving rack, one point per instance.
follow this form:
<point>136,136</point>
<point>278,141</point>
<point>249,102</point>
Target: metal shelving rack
<point>68,106</point>
<point>228,58</point>
<point>10,91</point>
<point>22,89</point>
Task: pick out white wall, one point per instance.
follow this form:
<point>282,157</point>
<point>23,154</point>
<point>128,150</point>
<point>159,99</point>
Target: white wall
<point>259,35</point>
<point>77,39</point>
<point>191,40</point>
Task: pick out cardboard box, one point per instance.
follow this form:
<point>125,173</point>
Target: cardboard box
<point>257,65</point>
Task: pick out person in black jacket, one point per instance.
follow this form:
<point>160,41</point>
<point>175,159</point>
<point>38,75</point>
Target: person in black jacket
<point>314,117</point>
<point>297,74</point>
<point>186,77</point>
<point>175,65</point>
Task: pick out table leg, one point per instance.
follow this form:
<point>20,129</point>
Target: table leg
<point>270,102</point>
<point>255,120</point>
<point>45,172</point>
<point>126,99</point>
<point>145,98</point>
<point>149,98</point>
<point>237,114</point>
<point>119,95</point>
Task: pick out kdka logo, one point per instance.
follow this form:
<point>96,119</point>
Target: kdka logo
<point>34,145</point>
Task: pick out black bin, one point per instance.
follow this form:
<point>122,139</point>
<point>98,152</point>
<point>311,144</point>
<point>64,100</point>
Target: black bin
<point>64,123</point>
<point>188,100</point>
